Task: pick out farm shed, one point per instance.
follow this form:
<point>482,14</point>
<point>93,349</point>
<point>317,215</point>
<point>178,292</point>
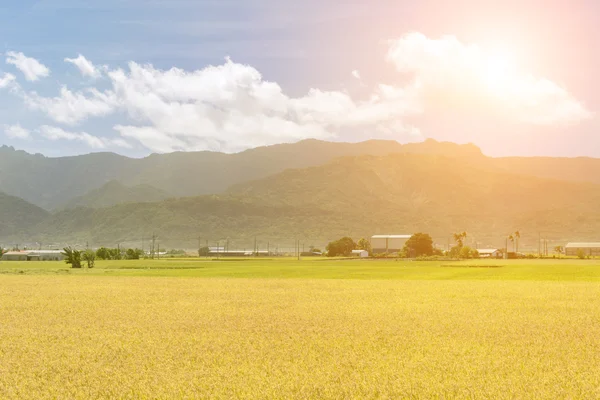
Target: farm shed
<point>489,253</point>
<point>34,255</point>
<point>589,249</point>
<point>360,253</point>
<point>15,256</point>
<point>388,243</point>
<point>46,255</point>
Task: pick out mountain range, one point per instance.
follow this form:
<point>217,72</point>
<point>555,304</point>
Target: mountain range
<point>313,190</point>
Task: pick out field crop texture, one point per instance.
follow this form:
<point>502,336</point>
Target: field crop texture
<point>414,331</point>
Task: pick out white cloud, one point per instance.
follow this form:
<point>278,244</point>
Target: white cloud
<point>86,67</point>
<point>6,80</point>
<point>450,74</point>
<point>16,132</point>
<point>231,107</point>
<point>30,67</point>
<point>71,108</point>
<point>95,142</point>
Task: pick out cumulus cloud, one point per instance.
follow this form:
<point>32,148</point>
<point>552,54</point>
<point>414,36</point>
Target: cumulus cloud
<point>16,132</point>
<point>448,73</point>
<point>231,107</point>
<point>95,142</point>
<point>73,107</point>
<point>85,66</point>
<point>31,68</point>
<point>6,80</point>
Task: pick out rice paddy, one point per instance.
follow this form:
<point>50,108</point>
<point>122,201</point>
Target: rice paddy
<point>300,329</point>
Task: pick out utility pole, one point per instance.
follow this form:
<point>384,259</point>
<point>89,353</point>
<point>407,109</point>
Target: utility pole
<point>158,252</point>
<point>255,248</point>
<point>218,250</point>
<point>153,243</point>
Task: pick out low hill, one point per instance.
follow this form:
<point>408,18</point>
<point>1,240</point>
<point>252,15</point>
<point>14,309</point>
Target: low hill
<point>577,169</point>
<point>113,193</point>
<point>17,216</point>
<point>53,182</point>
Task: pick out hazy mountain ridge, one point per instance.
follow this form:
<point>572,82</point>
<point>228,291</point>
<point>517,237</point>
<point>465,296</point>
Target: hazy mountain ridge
<point>357,196</point>
<point>17,216</point>
<point>113,193</point>
<point>53,182</point>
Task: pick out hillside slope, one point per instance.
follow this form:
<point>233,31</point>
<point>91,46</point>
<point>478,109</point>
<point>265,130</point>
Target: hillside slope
<point>356,196</point>
<point>113,193</point>
<point>17,216</point>
<point>53,182</point>
<point>436,194</point>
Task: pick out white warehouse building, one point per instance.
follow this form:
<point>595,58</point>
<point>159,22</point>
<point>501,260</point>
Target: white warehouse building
<point>388,243</point>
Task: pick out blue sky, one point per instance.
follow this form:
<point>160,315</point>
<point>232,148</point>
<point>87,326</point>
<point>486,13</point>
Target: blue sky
<point>342,69</point>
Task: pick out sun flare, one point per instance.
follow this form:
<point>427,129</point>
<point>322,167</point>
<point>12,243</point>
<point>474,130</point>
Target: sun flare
<point>499,72</point>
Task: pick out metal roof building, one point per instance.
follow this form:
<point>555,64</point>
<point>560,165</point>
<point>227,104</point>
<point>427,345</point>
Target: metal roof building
<point>388,243</point>
<point>588,248</point>
<point>14,256</point>
<point>34,255</point>
<point>489,253</point>
<point>360,253</point>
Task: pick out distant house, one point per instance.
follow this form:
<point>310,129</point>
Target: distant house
<point>388,243</point>
<point>589,249</point>
<point>15,256</point>
<point>360,253</point>
<point>34,255</point>
<point>46,255</point>
<point>489,253</point>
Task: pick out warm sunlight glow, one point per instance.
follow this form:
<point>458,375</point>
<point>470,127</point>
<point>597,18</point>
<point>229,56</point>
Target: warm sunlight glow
<point>499,73</point>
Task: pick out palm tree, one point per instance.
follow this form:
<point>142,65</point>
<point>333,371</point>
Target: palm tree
<point>72,257</point>
<point>512,239</point>
<point>459,238</point>
<point>517,237</point>
<point>90,257</point>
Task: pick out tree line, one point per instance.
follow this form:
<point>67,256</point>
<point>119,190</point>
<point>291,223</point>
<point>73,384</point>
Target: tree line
<point>419,245</point>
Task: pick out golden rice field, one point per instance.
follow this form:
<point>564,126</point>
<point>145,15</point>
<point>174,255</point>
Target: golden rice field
<point>95,334</point>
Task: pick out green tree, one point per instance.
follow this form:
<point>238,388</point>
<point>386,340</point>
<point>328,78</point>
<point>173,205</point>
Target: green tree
<point>559,250</point>
<point>512,240</point>
<point>133,254</point>
<point>459,238</point>
<point>419,244</point>
<point>341,247</point>
<point>103,253</point>
<point>581,254</point>
<point>468,252</point>
<point>364,244</point>
<point>72,257</point>
<point>89,257</point>
<point>115,254</point>
<point>1,251</point>
<point>204,251</point>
